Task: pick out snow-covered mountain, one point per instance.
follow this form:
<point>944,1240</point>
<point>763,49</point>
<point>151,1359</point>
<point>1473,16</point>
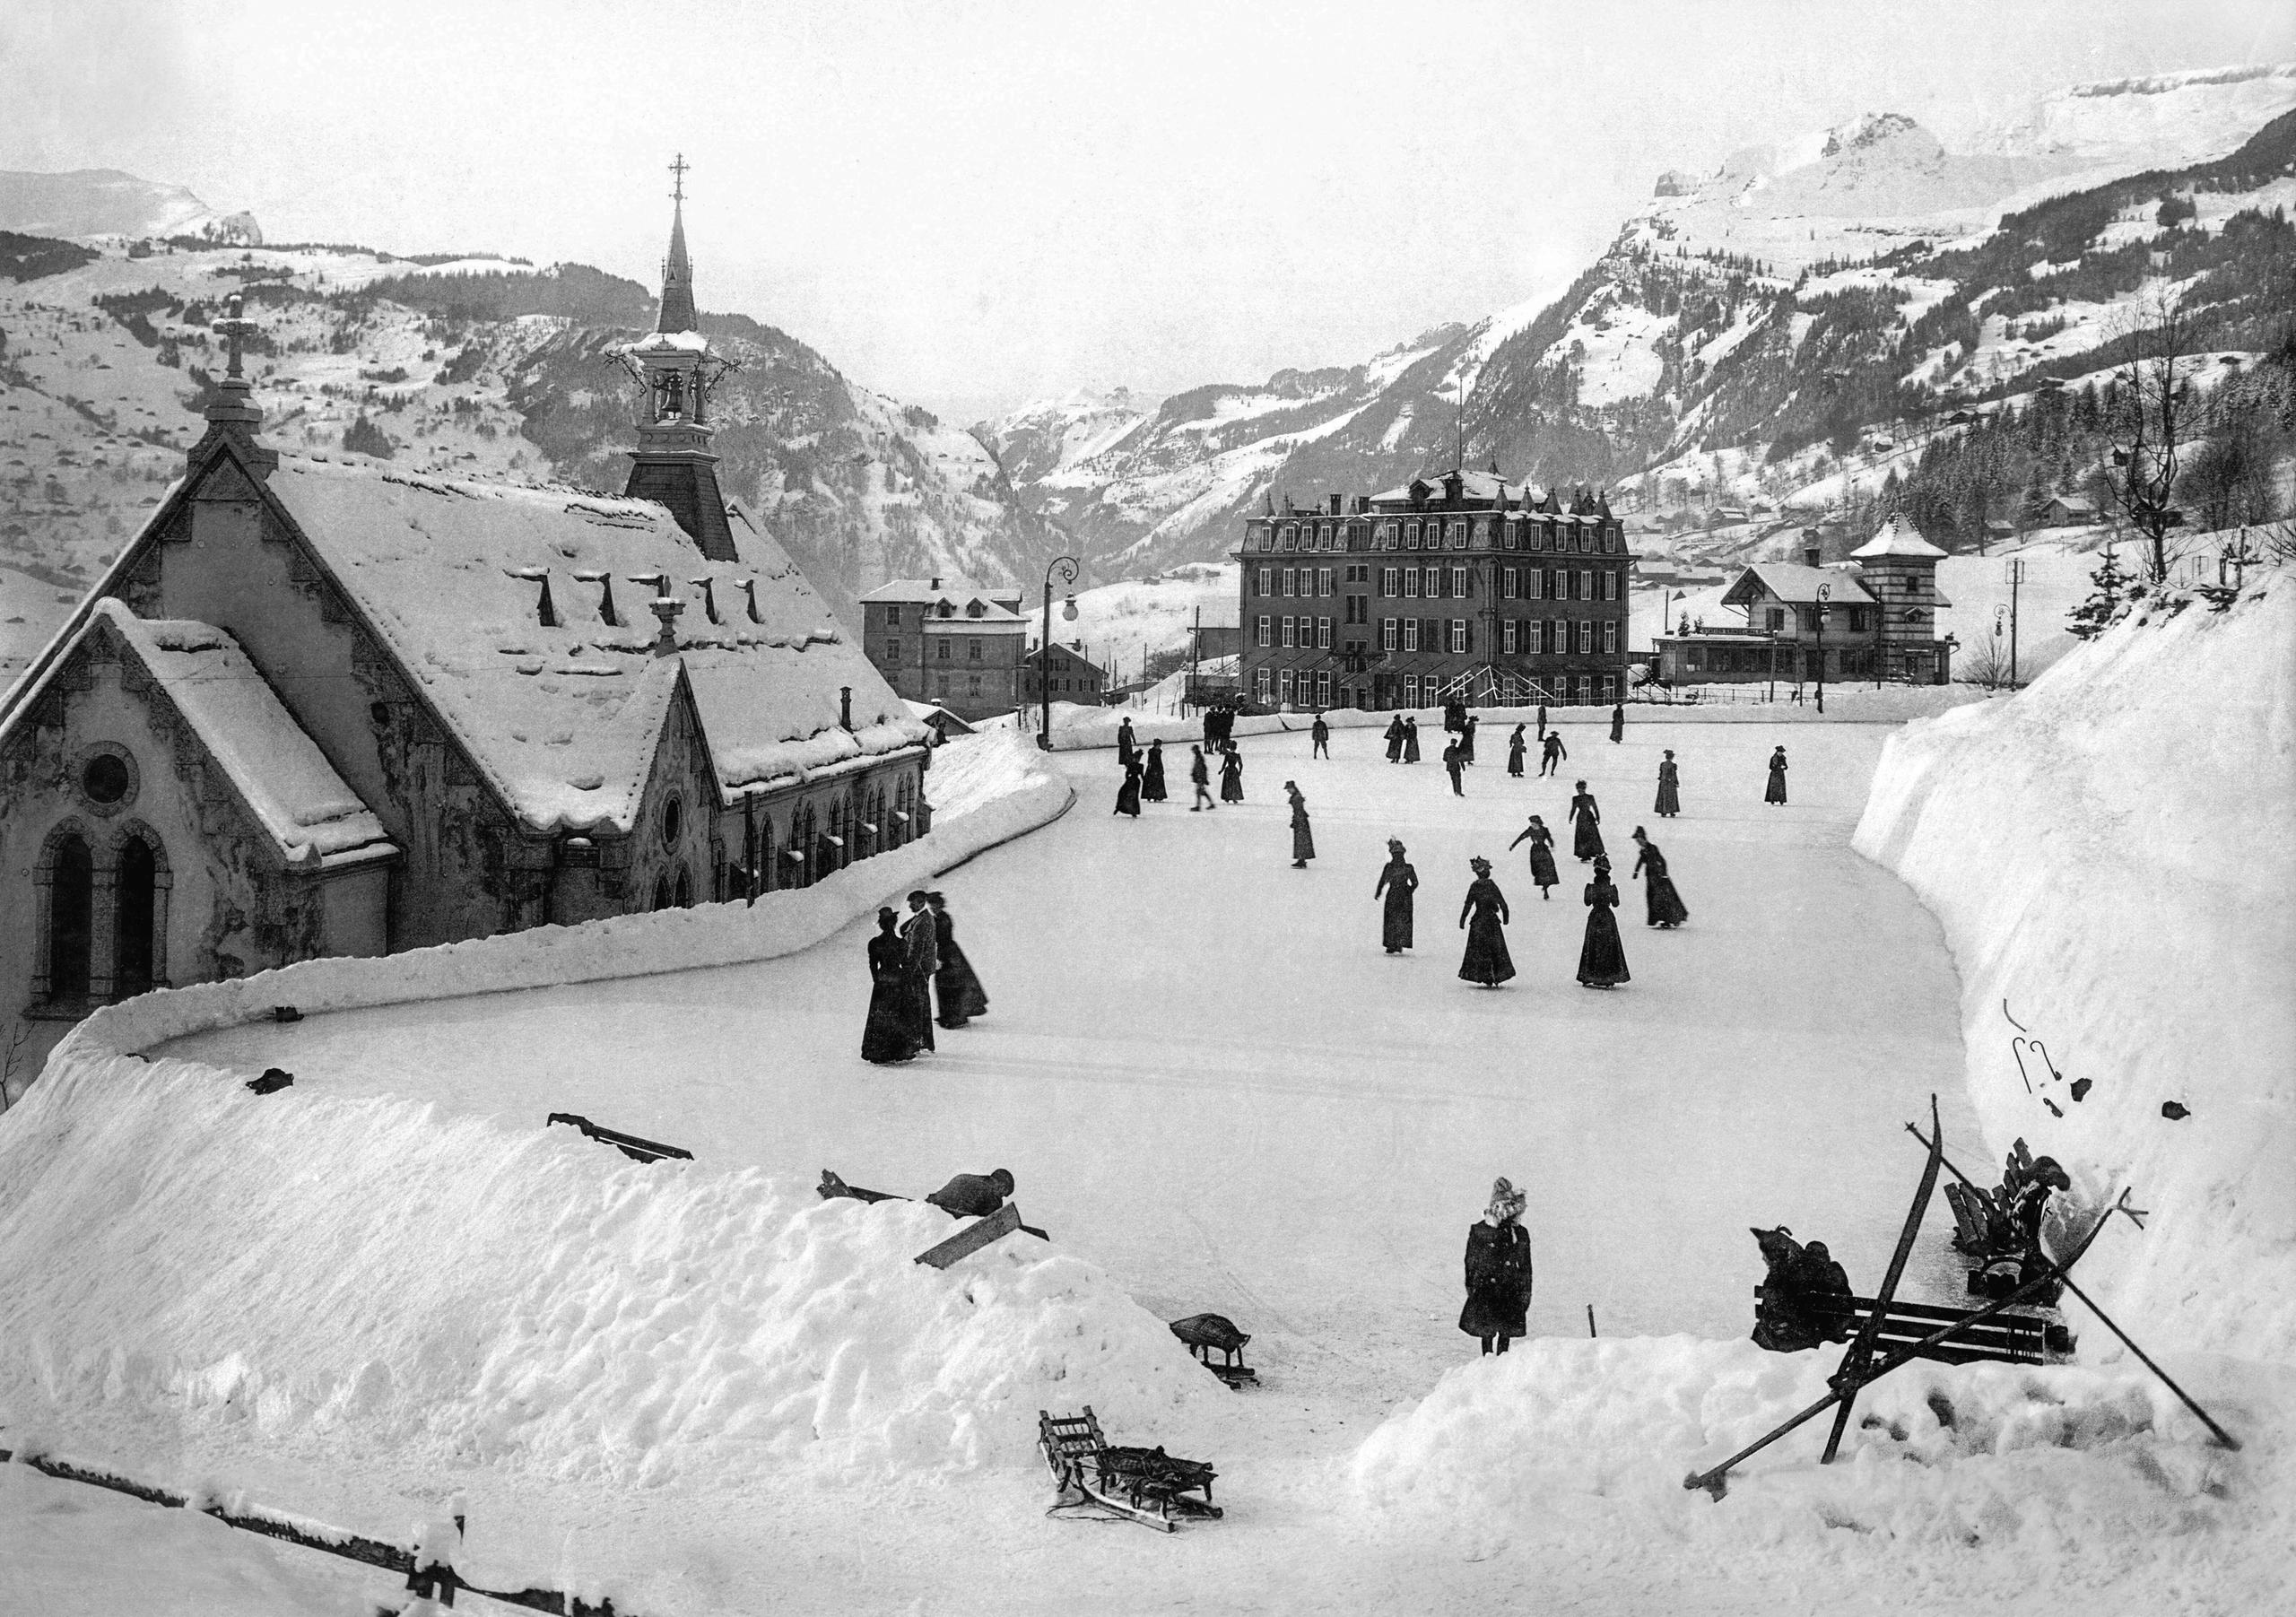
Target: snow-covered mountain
<point>106,202</point>
<point>1718,324</point>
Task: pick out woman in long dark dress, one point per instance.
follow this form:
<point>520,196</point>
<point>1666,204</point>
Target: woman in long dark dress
<point>1127,796</point>
<point>1667,909</point>
<point>1397,882</point>
<point>1152,779</point>
<point>1467,738</point>
<point>1395,739</point>
<point>1516,747</point>
<point>886,1037</point>
<point>1541,842</point>
<point>1127,748</point>
<point>1777,792</point>
<point>954,985</point>
<point>1498,1272</point>
<point>1411,740</point>
<point>1586,839</point>
<point>1670,780</point>
<point>1231,775</point>
<point>1486,962</point>
<point>1618,722</point>
<point>1602,958</point>
<point>1303,839</point>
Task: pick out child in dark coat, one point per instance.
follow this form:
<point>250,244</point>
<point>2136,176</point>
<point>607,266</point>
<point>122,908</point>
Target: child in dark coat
<point>1498,1272</point>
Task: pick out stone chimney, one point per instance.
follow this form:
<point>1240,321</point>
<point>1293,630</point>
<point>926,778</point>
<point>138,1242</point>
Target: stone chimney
<point>666,608</point>
<point>1812,555</point>
<point>845,706</point>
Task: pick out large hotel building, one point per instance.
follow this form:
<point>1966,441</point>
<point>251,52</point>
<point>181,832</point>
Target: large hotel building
<point>1467,588</point>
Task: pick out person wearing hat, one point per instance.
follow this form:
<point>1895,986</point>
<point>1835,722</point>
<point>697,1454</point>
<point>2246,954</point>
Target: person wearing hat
<point>1199,776</point>
<point>887,1037</point>
<point>1670,780</point>
<point>1552,751</point>
<point>1776,791</point>
<point>955,984</point>
<point>1587,820</point>
<point>1602,958</point>
<point>1303,839</point>
<point>1232,774</point>
<point>1486,964</point>
<point>1397,882</point>
<point>974,1196</point>
<point>1542,842</point>
<point>1667,910</point>
<point>1453,760</point>
<point>1395,739</point>
<point>1498,1272</point>
<point>920,935</point>
<point>1516,747</point>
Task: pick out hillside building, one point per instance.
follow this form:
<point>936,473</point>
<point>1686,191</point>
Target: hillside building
<point>1073,677</point>
<point>1873,617</point>
<point>322,706</point>
<point>1464,587</point>
<point>947,642</point>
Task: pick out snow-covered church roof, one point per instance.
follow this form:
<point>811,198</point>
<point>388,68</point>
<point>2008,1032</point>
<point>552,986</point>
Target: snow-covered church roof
<point>1897,537</point>
<point>564,716</point>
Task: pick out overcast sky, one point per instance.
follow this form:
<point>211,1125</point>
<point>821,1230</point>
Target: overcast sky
<point>966,204</point>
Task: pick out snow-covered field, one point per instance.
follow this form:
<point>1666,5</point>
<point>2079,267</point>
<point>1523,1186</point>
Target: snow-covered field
<point>699,1387</point>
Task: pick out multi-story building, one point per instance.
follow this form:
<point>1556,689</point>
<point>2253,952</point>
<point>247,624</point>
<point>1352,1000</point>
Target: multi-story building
<point>1464,587</point>
<point>946,643</point>
<point>1872,617</point>
<point>1073,676</point>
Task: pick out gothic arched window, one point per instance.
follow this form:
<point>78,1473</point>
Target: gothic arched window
<point>71,915</point>
<point>136,892</point>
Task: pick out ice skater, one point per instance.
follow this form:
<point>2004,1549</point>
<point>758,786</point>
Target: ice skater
<point>1231,775</point>
<point>1410,739</point>
<point>1319,733</point>
<point>887,1037</point>
<point>1667,908</point>
<point>1127,796</point>
<point>1487,964</point>
<point>1498,1272</point>
<point>954,984</point>
<point>1602,958</point>
<point>1515,748</point>
<point>1586,822</point>
<point>1542,722</point>
<point>1152,779</point>
<point>1395,739</point>
<point>1541,842</point>
<point>1670,780</point>
<point>1618,723</point>
<point>1452,762</point>
<point>1467,738</point>
<point>1126,747</point>
<point>1552,753</point>
<point>1777,790</point>
<point>1199,776</point>
<point>1397,882</point>
<point>920,937</point>
<point>1303,837</point>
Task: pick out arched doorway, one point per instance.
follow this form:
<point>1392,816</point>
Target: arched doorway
<point>136,891</point>
<point>71,917</point>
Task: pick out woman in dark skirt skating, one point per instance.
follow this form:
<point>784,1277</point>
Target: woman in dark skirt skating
<point>1127,796</point>
<point>1670,781</point>
<point>1587,839</point>
<point>1397,882</point>
<point>954,986</point>
<point>1303,837</point>
<point>1542,842</point>
<point>1231,775</point>
<point>1395,739</point>
<point>886,1038</point>
<point>1777,792</point>
<point>1410,739</point>
<point>1602,958</point>
<point>1666,908</point>
<point>1152,779</point>
<point>1487,962</point>
<point>1516,747</point>
<point>1498,1272</point>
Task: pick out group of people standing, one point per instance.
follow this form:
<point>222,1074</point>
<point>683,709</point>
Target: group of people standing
<point>1143,772</point>
<point>911,962</point>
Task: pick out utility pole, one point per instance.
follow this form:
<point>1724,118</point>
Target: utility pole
<point>2016,578</point>
<point>1195,649</point>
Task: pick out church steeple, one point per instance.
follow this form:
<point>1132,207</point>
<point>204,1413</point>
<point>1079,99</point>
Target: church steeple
<point>673,463</point>
<point>677,270</point>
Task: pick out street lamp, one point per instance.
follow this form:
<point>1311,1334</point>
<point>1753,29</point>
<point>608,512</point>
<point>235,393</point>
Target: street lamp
<point>1825,595</point>
<point>1066,568</point>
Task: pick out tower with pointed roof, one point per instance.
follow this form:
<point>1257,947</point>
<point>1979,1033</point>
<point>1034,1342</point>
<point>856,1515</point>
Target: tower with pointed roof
<point>673,463</point>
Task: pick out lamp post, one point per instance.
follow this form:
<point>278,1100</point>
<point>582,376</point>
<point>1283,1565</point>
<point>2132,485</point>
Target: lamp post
<point>1066,568</point>
<point>1825,595</point>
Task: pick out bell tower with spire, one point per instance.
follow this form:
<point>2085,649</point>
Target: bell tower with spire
<point>671,464</point>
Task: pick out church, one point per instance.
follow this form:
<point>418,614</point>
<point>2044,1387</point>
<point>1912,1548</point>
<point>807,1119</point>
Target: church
<point>320,706</point>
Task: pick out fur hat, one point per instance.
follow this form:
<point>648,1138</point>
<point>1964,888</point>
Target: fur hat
<point>1394,846</point>
<point>1480,865</point>
<point>1003,1176</point>
<point>1506,1201</point>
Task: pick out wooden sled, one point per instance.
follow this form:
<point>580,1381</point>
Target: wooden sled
<point>832,1188</point>
<point>1145,1485</point>
<point>630,1145</point>
<point>1207,1332</point>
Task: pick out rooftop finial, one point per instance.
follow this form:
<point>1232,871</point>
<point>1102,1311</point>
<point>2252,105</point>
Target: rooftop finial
<point>235,328</point>
<point>677,271</point>
<point>678,165</point>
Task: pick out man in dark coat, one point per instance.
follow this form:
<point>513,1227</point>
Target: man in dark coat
<point>1452,764</point>
<point>974,1196</point>
<point>1320,733</point>
<point>1552,753</point>
<point>1199,775</point>
<point>920,937</point>
<point>1395,739</point>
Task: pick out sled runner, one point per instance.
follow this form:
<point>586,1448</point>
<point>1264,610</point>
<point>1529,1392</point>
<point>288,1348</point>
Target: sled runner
<point>1146,1484</point>
<point>1205,1332</point>
<point>630,1145</point>
<point>832,1188</point>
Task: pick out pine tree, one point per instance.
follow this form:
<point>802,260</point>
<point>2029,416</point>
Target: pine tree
<point>2108,597</point>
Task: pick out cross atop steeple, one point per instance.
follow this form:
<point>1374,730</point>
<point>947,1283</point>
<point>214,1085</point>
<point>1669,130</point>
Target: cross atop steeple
<point>234,328</point>
<point>678,165</point>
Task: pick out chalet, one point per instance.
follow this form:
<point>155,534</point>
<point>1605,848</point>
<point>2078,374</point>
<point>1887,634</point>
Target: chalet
<point>1072,677</point>
<point>1872,617</point>
<point>1463,586</point>
<point>947,642</point>
<point>320,705</point>
<point>2071,510</point>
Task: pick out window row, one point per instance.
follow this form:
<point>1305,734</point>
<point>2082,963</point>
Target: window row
<point>1517,637</point>
<point>816,843</point>
<point>1312,633</point>
<point>1270,685</point>
<point>1455,534</point>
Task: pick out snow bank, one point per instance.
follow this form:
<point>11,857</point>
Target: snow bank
<point>1586,1444</point>
<point>371,1278</point>
<point>2108,853</point>
<point>985,789</point>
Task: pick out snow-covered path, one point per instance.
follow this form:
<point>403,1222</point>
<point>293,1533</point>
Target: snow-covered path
<point>1208,1078</point>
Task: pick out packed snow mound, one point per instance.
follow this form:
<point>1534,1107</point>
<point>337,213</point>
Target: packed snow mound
<point>356,1276</point>
<point>2108,854</point>
<point>1587,1442</point>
